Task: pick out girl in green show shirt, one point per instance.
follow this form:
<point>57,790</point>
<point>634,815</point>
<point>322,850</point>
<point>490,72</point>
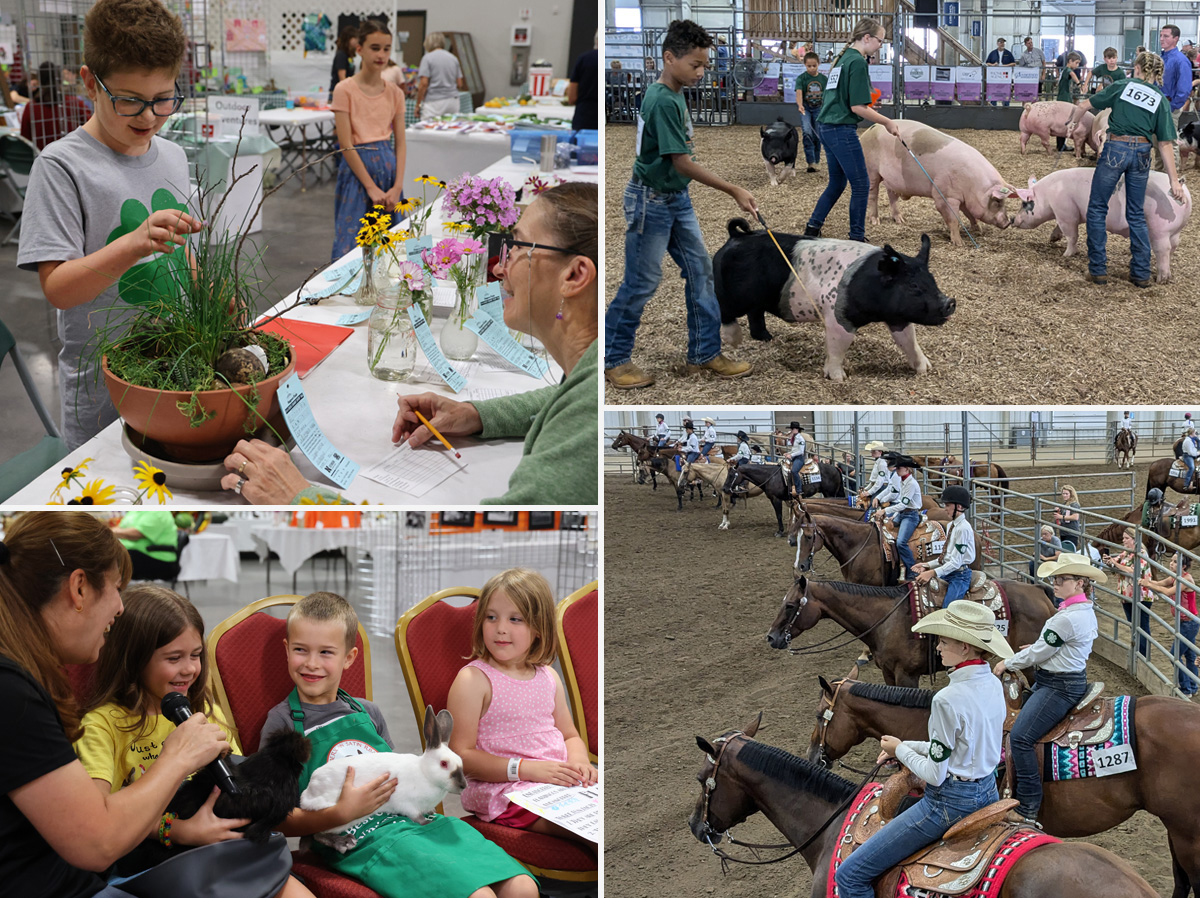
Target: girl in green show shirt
<point>847,102</point>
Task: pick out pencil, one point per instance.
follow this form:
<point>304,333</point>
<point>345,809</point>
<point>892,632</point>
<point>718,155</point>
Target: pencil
<point>445,442</point>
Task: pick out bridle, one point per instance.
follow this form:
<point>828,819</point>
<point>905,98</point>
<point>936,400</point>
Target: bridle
<point>815,648</point>
<point>825,717</point>
<point>814,547</point>
<point>710,785</point>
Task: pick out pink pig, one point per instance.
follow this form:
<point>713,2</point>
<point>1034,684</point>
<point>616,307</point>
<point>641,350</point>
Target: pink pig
<point>964,178</point>
<point>1063,196</point>
<point>1049,118</point>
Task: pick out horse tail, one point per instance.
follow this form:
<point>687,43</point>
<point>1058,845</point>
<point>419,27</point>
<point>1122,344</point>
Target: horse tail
<point>1002,474</point>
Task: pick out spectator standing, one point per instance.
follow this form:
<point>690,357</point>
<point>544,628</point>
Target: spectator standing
<point>439,79</point>
<point>1032,57</point>
<point>1176,84</point>
<point>1001,56</point>
<point>343,59</point>
<point>1049,547</point>
<point>582,91</point>
<point>1189,625</point>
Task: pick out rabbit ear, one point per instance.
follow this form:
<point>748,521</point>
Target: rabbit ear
<point>431,734</point>
<point>445,725</point>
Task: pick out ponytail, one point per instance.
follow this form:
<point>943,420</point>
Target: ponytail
<point>865,27</point>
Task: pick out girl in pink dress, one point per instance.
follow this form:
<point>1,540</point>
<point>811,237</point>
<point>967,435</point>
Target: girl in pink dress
<point>512,726</point>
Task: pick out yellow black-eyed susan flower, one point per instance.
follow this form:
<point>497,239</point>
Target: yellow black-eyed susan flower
<point>152,480</point>
<point>96,493</point>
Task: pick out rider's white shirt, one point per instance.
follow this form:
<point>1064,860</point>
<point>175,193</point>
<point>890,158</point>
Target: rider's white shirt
<point>1075,629</point>
<point>960,547</point>
<point>798,446</point>
<point>909,492</point>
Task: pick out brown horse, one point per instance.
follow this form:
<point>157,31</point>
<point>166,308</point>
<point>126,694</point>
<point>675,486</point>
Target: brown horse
<point>839,509</point>
<point>637,444</point>
<point>1113,532</point>
<point>1124,448</point>
<point>1170,525</point>
<point>855,545</point>
<point>1167,733</point>
<point>808,804</point>
<point>879,617</point>
<point>1159,476</point>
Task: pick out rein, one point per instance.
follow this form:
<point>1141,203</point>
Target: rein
<point>710,785</point>
<point>812,549</point>
<point>810,649</point>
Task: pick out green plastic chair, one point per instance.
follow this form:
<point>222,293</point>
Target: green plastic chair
<point>17,155</point>
<point>18,472</point>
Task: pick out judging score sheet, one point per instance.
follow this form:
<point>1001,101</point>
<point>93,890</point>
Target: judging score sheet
<point>577,808</point>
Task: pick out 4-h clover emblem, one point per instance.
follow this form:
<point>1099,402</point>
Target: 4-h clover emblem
<point>148,282</point>
<point>1051,638</point>
<point>938,752</point>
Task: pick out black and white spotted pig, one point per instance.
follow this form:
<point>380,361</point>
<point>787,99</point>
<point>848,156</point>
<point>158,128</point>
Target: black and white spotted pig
<point>853,284</point>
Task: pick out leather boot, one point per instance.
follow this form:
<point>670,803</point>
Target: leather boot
<point>810,231</point>
<point>628,377</point>
<point>722,367</point>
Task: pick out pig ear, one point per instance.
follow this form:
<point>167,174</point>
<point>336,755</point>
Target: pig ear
<point>891,262</point>
<point>1003,192</point>
<point>762,131</point>
<point>923,255</point>
<point>1032,181</point>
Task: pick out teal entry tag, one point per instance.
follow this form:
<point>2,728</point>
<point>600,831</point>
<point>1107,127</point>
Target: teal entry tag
<point>354,317</point>
<point>496,335</point>
<point>437,360</point>
<point>491,302</point>
<point>308,436</point>
<point>414,245</point>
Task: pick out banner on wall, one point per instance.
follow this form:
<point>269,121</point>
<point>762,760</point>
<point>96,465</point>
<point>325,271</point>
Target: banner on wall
<point>916,82</point>
<point>881,80</point>
<point>246,35</point>
<point>999,83</point>
<point>1026,84</point>
<point>943,82</point>
<point>968,81</point>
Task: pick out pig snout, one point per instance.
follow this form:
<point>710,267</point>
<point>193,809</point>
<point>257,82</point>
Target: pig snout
<point>949,304</point>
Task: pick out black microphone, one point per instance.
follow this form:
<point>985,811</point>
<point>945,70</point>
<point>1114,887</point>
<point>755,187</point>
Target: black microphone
<point>176,709</point>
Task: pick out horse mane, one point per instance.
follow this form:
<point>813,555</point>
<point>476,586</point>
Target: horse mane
<point>900,696</point>
<point>861,589</point>
<point>795,772</point>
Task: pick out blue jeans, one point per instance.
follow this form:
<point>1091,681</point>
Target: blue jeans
<point>692,456</point>
<point>1133,161</point>
<point>797,464</point>
<point>1190,461</point>
<point>706,448</point>
<point>844,156</point>
<point>812,143</point>
<point>922,824</point>
<point>956,585</point>
<point>1054,694</point>
<point>906,523</point>
<point>657,224</point>
<point>1143,628</point>
<point>1187,679</point>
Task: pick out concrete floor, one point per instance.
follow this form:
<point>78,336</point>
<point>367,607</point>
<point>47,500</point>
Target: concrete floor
<point>297,236</point>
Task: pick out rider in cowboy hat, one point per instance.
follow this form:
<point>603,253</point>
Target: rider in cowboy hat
<point>710,438</point>
<point>691,445</point>
<point>662,433</point>
<point>905,511</point>
<point>1061,655</point>
<point>743,450</point>
<point>955,569</point>
<point>798,453</point>
<point>1190,451</point>
<point>958,763</point>
<point>879,472</point>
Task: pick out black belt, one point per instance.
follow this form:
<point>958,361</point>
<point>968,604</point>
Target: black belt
<point>963,779</point>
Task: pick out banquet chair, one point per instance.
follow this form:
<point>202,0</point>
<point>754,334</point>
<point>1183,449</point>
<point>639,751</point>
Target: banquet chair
<point>246,661</point>
<point>21,470</point>
<point>16,161</point>
<point>433,640</point>
<point>577,620</point>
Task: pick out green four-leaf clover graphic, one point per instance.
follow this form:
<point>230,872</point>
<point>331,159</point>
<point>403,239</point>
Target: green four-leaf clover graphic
<point>148,282</point>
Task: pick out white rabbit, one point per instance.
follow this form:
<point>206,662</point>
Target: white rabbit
<point>423,780</point>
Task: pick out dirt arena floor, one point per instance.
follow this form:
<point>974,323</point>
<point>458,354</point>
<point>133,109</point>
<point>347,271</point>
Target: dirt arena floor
<point>1028,329</point>
<point>686,611</point>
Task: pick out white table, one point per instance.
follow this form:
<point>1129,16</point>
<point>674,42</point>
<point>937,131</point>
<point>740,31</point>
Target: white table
<point>209,556</point>
<point>547,110</point>
<point>295,545</point>
<point>240,530</point>
<point>447,154</point>
<point>355,410</point>
<point>291,121</point>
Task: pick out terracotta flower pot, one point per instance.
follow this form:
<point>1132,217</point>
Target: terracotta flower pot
<point>154,413</point>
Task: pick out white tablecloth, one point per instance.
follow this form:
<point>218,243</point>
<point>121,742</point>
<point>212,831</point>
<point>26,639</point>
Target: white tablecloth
<point>355,410</point>
<point>209,556</point>
<point>294,118</point>
<point>295,545</point>
<point>447,154</point>
<point>541,110</point>
<point>240,530</point>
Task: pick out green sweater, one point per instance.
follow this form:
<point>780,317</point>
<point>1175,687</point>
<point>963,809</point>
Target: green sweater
<point>561,426</point>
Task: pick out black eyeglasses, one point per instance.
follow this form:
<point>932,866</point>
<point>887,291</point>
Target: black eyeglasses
<point>132,107</point>
<point>508,241</point>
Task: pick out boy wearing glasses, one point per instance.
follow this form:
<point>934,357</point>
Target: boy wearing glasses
<point>109,195</point>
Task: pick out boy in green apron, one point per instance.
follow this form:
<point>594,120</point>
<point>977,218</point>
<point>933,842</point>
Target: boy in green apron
<point>445,857</point>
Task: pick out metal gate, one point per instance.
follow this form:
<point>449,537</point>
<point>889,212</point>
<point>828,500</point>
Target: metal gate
<point>711,102</point>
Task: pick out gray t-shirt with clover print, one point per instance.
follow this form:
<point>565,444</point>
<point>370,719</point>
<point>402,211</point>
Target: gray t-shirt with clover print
<point>73,205</point>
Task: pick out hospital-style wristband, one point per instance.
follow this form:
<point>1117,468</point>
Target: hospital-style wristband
<point>514,769</point>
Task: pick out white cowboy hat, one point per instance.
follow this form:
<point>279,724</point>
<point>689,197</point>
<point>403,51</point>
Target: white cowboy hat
<point>873,445</point>
<point>1074,565</point>
<point>709,421</point>
<point>969,622</point>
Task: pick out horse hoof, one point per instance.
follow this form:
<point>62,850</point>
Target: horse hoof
<point>779,533</point>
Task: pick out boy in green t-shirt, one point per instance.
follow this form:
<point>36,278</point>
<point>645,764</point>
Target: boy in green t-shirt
<point>1103,76</point>
<point>810,91</point>
<point>1068,88</point>
<point>659,217</point>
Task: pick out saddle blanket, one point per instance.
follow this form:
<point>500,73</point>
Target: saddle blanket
<point>1079,762</point>
<point>811,473</point>
<point>989,883</point>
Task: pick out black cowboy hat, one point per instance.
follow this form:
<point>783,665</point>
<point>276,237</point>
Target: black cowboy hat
<point>795,425</point>
<point>900,460</point>
<point>742,435</point>
<point>660,416</point>
<point>956,494</point>
<point>687,425</point>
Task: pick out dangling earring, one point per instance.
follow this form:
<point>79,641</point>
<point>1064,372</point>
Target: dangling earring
<point>558,317</point>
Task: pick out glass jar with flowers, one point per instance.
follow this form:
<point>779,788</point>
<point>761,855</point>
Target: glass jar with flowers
<point>458,259</point>
<point>376,225</point>
<point>391,341</point>
<point>483,208</point>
